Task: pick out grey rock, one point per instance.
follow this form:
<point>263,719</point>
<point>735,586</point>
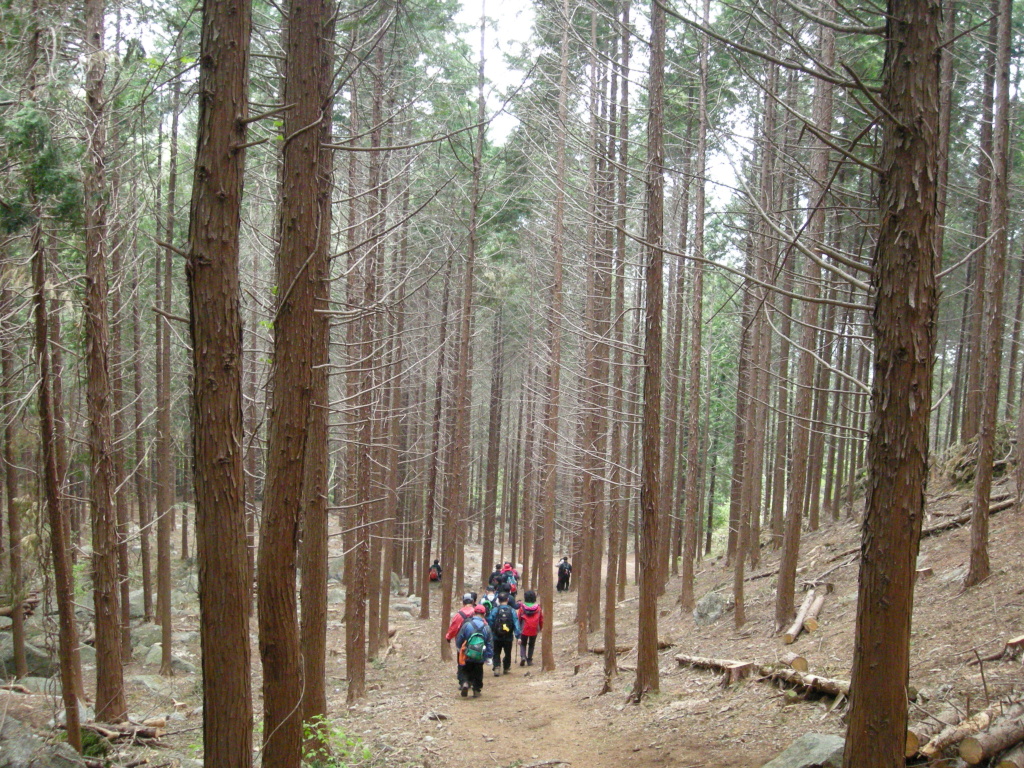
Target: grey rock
<point>335,597</point>
<point>182,597</point>
<point>38,659</point>
<point>147,634</point>
<point>184,667</point>
<point>154,656</point>
<point>87,654</point>
<point>335,566</point>
<point>47,685</point>
<point>6,622</point>
<point>85,715</point>
<point>20,748</point>
<point>153,683</point>
<point>186,638</point>
<point>812,750</point>
<point>955,575</point>
<point>709,609</point>
<point>396,582</point>
<point>137,604</point>
<point>406,608</point>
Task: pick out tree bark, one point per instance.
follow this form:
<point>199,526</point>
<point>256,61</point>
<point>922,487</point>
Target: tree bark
<point>217,355</point>
<point>647,644</point>
<point>299,222</point>
<point>904,330</point>
<point>978,569</point>
<point>110,701</point>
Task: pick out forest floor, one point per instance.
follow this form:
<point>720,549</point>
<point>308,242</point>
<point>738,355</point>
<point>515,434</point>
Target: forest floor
<point>412,714</point>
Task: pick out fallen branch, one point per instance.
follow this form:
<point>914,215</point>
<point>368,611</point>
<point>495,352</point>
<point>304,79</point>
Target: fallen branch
<point>28,606</point>
<point>663,645</point>
<point>1010,651</point>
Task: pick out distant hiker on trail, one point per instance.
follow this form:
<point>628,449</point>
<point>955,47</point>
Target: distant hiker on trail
<point>510,578</point>
<point>564,574</point>
<point>488,601</point>
<point>505,626</point>
<point>476,648</point>
<point>531,622</point>
<point>435,571</point>
<point>496,579</point>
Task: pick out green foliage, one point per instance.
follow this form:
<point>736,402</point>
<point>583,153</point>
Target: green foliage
<point>94,745</point>
<point>333,747</point>
<point>49,176</point>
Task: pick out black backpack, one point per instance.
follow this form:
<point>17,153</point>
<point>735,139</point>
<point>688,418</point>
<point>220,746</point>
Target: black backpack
<point>504,623</point>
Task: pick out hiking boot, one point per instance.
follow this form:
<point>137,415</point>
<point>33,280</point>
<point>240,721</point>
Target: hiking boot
<point>497,672</point>
<point>465,690</point>
<point>476,693</point>
<point>529,662</point>
<point>505,671</point>
<point>522,662</point>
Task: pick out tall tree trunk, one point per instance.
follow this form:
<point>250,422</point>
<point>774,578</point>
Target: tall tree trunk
<point>647,641</point>
<point>110,702</point>
<point>291,387</point>
<point>313,589</point>
<point>70,668</point>
<point>693,488</point>
<point>431,504</point>
<point>165,464</point>
<point>818,171</point>
<point>493,450</point>
<point>216,333</point>
<point>904,330</point>
<point>978,570</point>
<point>8,409</point>
<point>549,435</point>
<point>975,342</point>
<point>142,488</point>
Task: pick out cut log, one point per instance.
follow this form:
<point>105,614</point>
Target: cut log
<point>599,649</point>
<point>28,606</point>
<point>1008,732</point>
<point>924,573</point>
<point>811,619</point>
<point>1012,758</point>
<point>808,681</point>
<point>959,520</point>
<point>954,734</point>
<point>794,661</point>
<point>791,634</point>
<point>919,733</point>
<point>738,671</point>
<point>703,662</point>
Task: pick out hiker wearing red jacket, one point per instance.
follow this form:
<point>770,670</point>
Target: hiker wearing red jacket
<point>531,622</point>
<point>467,611</point>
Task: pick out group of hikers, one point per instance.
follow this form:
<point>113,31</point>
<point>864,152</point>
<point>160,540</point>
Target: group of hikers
<point>486,629</point>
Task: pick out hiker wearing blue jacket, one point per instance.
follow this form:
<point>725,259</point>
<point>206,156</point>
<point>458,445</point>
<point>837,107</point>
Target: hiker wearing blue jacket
<point>505,627</point>
<point>476,648</point>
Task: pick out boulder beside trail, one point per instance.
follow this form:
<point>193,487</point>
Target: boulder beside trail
<point>38,660</point>
<point>20,748</point>
<point>709,609</point>
<point>812,750</point>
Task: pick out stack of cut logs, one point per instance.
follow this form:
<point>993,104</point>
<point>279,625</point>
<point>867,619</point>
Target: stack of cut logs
<point>28,606</point>
<point>807,617</point>
<point>994,735</point>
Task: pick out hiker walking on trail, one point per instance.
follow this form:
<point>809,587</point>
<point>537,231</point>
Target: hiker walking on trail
<point>466,611</point>
<point>531,622</point>
<point>505,626</point>
<point>564,574</point>
<point>476,648</point>
<point>495,580</point>
<point>509,579</point>
<point>435,571</point>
